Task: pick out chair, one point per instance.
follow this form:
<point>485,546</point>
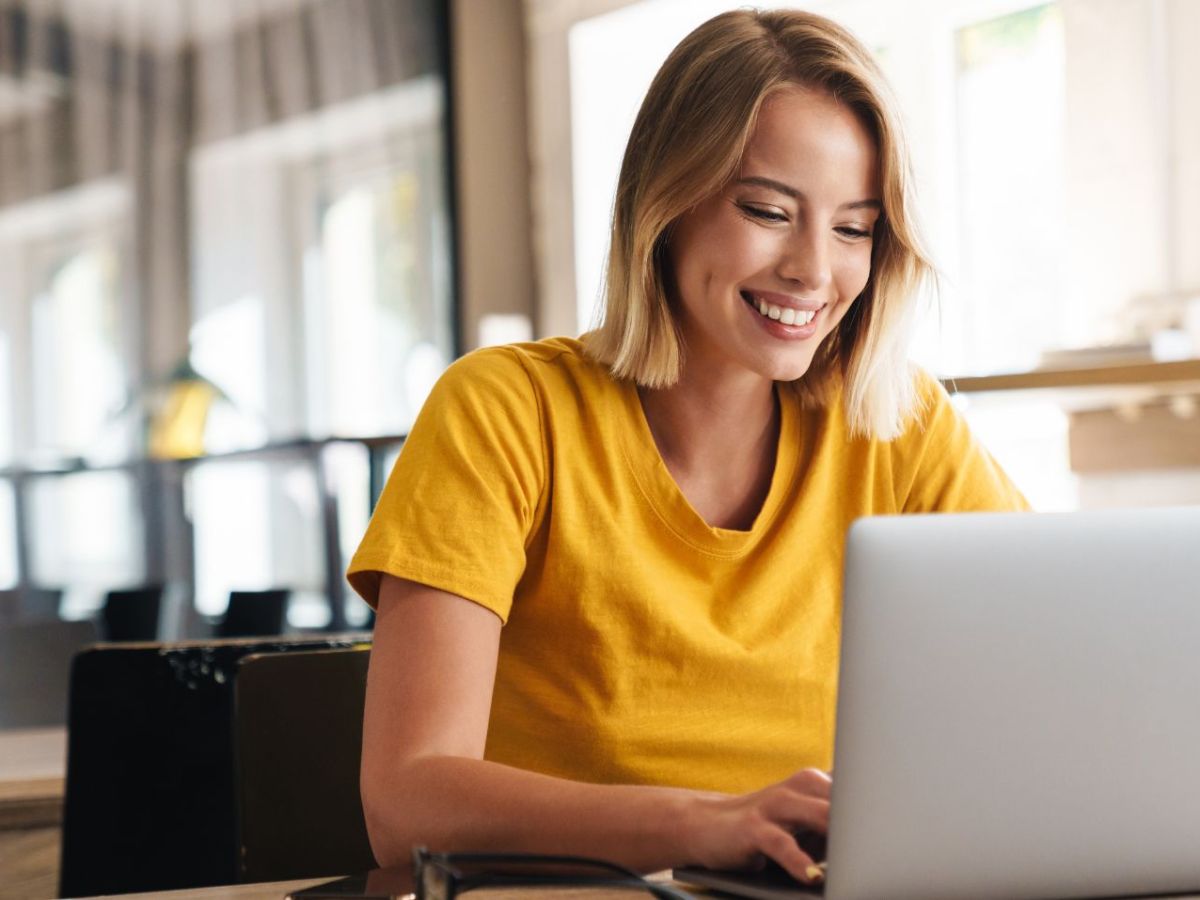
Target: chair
<point>298,741</point>
<point>35,665</point>
<point>150,801</point>
<point>41,604</point>
<point>255,614</point>
<point>30,604</point>
<point>131,615</point>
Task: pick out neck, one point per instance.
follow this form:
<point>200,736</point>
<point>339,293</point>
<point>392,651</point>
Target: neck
<point>707,420</point>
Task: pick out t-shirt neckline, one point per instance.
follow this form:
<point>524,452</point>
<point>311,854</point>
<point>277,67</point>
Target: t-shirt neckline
<point>666,498</point>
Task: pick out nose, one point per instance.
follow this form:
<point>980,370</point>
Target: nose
<point>806,260</point>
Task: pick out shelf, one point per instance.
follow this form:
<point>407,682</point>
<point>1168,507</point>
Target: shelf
<point>1151,373</point>
<point>1090,387</point>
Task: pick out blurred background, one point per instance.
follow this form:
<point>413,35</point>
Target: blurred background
<point>240,239</point>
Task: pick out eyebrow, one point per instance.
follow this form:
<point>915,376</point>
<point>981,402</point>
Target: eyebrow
<point>790,191</point>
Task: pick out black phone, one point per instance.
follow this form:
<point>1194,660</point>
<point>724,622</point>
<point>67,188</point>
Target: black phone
<point>379,884</point>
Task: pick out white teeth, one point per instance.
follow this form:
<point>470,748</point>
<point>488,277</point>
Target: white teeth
<point>784,314</point>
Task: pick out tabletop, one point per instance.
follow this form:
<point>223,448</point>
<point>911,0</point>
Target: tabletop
<point>32,771</point>
<point>276,890</point>
<point>273,889</point>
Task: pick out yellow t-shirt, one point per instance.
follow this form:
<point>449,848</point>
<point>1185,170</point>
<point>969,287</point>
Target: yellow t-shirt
<point>641,645</point>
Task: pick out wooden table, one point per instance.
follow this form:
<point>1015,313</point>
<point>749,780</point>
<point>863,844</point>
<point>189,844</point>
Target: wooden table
<point>274,889</point>
<point>278,889</point>
<point>32,767</point>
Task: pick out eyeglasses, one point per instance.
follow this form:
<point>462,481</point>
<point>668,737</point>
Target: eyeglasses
<point>443,876</point>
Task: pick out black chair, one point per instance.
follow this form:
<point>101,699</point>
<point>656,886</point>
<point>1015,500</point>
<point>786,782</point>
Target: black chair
<point>131,615</point>
<point>30,604</point>
<point>150,801</point>
<point>255,614</point>
<point>298,741</point>
<point>35,667</point>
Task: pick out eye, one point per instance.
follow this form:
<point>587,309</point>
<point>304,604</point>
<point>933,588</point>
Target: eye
<point>856,234</point>
<point>763,215</point>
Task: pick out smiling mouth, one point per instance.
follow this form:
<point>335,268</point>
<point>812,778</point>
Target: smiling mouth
<point>785,315</point>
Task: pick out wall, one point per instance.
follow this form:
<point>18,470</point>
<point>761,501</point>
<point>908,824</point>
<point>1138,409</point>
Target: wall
<point>491,125</point>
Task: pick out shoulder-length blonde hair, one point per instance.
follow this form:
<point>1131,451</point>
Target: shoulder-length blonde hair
<point>687,144</point>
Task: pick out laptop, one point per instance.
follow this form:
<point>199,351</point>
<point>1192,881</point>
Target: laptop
<point>1018,710</point>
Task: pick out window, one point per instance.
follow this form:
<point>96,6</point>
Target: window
<point>322,307</point>
<point>1011,115</point>
<point>377,330</point>
<point>322,252</point>
<point>79,372</point>
<point>226,349</point>
<point>67,328</point>
<point>613,58</point>
<point>87,536</point>
<point>80,387</point>
<point>68,362</point>
<point>228,504</point>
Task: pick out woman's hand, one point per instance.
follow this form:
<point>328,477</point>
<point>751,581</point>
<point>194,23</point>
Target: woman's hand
<point>743,832</point>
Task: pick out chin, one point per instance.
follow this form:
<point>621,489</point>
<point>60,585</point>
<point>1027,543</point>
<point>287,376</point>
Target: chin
<point>787,369</point>
<point>793,373</point>
<point>794,362</point>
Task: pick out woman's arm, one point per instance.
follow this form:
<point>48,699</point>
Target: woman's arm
<point>424,781</point>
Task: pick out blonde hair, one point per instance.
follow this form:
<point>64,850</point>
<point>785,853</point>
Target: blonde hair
<point>686,145</point>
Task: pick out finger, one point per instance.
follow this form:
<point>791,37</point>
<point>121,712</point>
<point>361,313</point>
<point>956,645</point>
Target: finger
<point>817,782</point>
<point>796,810</point>
<point>779,845</point>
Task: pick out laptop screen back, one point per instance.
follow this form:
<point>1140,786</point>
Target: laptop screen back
<point>1017,710</point>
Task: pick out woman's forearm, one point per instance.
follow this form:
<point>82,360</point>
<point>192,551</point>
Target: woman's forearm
<point>423,782</point>
<point>459,804</point>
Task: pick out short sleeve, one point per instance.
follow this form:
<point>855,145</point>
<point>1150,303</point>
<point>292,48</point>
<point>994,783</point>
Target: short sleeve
<point>463,498</point>
<point>940,465</point>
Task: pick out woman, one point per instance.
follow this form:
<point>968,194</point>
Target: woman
<point>608,571</point>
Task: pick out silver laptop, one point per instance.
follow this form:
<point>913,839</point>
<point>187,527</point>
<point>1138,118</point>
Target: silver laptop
<point>1019,709</point>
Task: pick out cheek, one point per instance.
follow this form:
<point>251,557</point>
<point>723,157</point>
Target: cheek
<point>851,278</point>
<point>717,255</point>
<point>853,274</point>
<point>740,255</point>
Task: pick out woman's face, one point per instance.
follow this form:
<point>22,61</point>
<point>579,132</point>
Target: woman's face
<point>766,269</point>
